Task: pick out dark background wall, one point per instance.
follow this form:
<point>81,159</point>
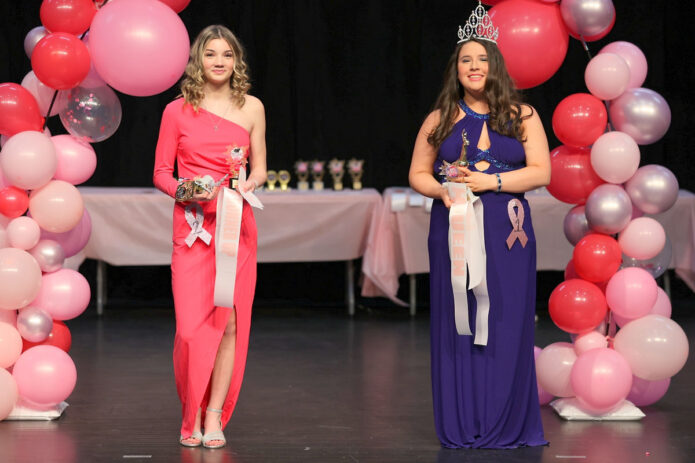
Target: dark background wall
<point>356,78</point>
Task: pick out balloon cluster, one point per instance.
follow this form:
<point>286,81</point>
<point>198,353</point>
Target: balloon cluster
<point>138,47</point>
<point>618,251</point>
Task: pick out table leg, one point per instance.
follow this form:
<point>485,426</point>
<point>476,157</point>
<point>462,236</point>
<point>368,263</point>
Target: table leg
<point>101,286</point>
<point>413,295</point>
<point>667,283</point>
<point>350,286</point>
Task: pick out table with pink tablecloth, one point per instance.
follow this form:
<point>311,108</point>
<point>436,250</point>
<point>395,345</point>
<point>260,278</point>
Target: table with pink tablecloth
<point>398,239</point>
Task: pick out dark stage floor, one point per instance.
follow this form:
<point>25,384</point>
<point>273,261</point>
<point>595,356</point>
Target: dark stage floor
<point>319,387</point>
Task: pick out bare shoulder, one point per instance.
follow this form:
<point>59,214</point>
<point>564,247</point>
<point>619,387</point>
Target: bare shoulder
<point>253,104</point>
<point>528,112</point>
<point>432,120</point>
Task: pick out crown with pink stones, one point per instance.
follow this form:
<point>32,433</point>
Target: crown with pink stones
<point>478,26</point>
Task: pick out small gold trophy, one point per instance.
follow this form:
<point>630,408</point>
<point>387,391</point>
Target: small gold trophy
<point>356,171</point>
<point>302,170</point>
<point>271,180</point>
<point>336,167</point>
<point>317,173</point>
<point>284,179</point>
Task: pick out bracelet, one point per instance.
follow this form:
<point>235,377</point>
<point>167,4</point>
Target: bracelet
<point>499,182</point>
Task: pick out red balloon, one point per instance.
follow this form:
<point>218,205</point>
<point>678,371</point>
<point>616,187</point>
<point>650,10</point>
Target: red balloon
<point>570,272</point>
<point>572,178</point>
<point>13,201</point>
<point>19,110</point>
<point>533,39</point>
<point>577,306</point>
<point>596,257</point>
<point>71,16</point>
<point>179,5</point>
<point>59,337</point>
<point>60,61</point>
<point>579,119</point>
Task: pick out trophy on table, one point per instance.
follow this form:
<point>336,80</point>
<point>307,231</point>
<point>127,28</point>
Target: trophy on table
<point>302,170</point>
<point>355,168</point>
<point>272,178</point>
<point>284,179</point>
<point>317,173</point>
<point>336,167</point>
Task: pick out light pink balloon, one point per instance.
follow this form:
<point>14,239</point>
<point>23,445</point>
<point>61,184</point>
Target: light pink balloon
<point>45,375</point>
<point>139,47</point>
<point>3,140</point>
<point>20,278</point>
<point>607,76</point>
<point>93,79</point>
<point>43,94</point>
<point>655,347</point>
<point>8,393</point>
<point>8,316</point>
<point>544,397</point>
<point>74,240</point>
<point>615,157</point>
<point>64,294</point>
<point>643,392</point>
<point>642,239</point>
<point>631,292</point>
<point>601,379</point>
<point>553,368</point>
<point>588,341</point>
<point>662,307</point>
<point>28,160</point>
<point>634,58</point>
<point>76,159</point>
<point>10,345</point>
<point>4,241</point>
<point>57,207</point>
<point>23,233</point>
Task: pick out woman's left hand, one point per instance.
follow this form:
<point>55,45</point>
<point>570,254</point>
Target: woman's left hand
<point>249,186</point>
<point>478,181</point>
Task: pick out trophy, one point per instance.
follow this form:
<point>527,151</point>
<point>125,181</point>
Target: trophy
<point>302,170</point>
<point>356,171</point>
<point>284,179</point>
<point>450,170</point>
<point>317,173</point>
<point>272,178</point>
<point>336,167</point>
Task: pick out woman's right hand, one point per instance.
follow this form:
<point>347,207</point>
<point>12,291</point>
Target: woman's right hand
<point>206,195</point>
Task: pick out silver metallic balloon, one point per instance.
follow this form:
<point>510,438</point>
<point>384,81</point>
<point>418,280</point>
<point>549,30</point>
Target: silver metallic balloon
<point>608,209</point>
<point>653,189</point>
<point>34,324</point>
<point>575,225</point>
<point>32,38</point>
<point>657,265</point>
<point>49,254</point>
<point>92,114</point>
<point>587,17</point>
<point>641,113</point>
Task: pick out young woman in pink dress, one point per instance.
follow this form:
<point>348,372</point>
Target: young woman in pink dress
<point>212,130</point>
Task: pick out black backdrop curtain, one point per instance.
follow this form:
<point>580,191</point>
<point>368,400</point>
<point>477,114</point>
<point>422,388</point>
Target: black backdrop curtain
<point>356,78</point>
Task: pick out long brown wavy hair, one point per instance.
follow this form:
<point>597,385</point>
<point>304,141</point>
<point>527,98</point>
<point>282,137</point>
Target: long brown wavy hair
<point>502,96</point>
<point>194,78</point>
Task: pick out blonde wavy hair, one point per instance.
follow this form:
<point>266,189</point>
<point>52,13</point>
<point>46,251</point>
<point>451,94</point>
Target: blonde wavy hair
<point>194,78</point>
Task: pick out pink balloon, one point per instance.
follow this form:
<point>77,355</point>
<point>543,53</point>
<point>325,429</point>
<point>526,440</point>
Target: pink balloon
<point>93,79</point>
<point>553,368</point>
<point>8,393</point>
<point>643,392</point>
<point>57,206</point>
<point>544,397</point>
<point>43,94</point>
<point>20,278</point>
<point>601,379</point>
<point>607,76</point>
<point>28,160</point>
<point>8,316</point>
<point>642,239</point>
<point>662,307</point>
<point>139,47</point>
<point>10,345</point>
<point>23,233</point>
<point>631,292</point>
<point>615,157</point>
<point>76,159</point>
<point>72,241</point>
<point>588,341</point>
<point>655,347</point>
<point>45,375</point>
<point>634,58</point>
<point>64,294</point>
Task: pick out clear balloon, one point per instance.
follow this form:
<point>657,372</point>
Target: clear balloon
<point>43,94</point>
<point>579,119</point>
<point>589,19</point>
<point>91,114</point>
<point>76,159</point>
<point>607,76</point>
<point>49,255</point>
<point>34,324</point>
<point>608,209</point>
<point>8,393</point>
<point>634,58</point>
<point>74,240</point>
<point>641,113</point>
<point>655,347</point>
<point>20,278</point>
<point>57,207</point>
<point>601,379</point>
<point>643,392</point>
<point>33,37</point>
<point>553,368</point>
<point>23,233</point>
<point>653,189</point>
<point>615,157</point>
<point>45,375</point>
<point>631,292</point>
<point>575,225</point>
<point>642,239</point>
<point>64,294</point>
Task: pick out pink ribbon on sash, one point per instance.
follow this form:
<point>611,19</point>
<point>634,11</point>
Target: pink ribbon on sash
<point>517,220</point>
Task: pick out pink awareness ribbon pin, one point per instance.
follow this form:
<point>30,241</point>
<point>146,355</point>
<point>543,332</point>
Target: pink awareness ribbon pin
<point>517,220</point>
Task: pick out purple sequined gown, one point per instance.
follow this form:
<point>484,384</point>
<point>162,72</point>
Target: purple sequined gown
<point>485,396</point>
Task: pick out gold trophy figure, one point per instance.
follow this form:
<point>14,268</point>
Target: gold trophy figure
<point>272,178</point>
<point>355,168</point>
<point>284,179</point>
<point>301,168</point>
<point>336,167</point>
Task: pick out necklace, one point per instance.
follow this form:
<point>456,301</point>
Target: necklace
<point>216,125</point>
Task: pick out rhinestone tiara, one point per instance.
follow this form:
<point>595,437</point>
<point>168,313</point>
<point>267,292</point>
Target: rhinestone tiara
<point>478,26</point>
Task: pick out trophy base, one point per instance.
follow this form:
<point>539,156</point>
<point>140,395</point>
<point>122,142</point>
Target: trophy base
<point>338,186</point>
<point>284,188</point>
<point>357,185</point>
<point>317,185</point>
<point>302,185</point>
